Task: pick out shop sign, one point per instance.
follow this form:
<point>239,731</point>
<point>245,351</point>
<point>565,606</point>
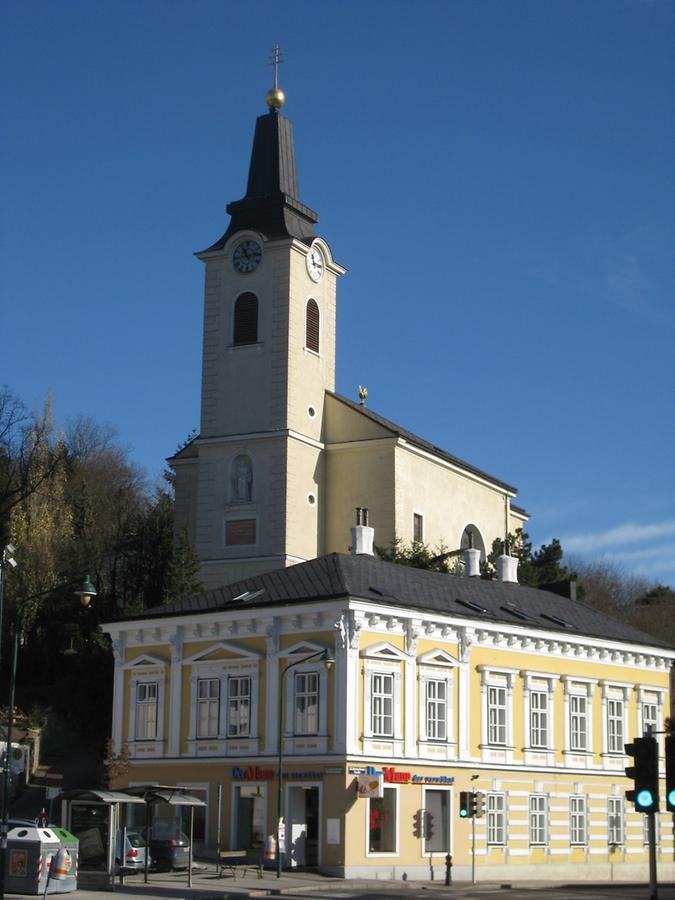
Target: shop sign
<point>370,785</point>
<point>255,773</point>
<point>390,775</point>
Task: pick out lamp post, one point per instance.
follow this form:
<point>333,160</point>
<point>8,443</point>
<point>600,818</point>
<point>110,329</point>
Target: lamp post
<point>327,659</point>
<point>85,592</point>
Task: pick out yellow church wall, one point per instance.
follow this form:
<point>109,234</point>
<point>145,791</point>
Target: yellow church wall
<point>304,498</point>
<point>448,500</point>
<point>342,424</point>
<point>359,476</point>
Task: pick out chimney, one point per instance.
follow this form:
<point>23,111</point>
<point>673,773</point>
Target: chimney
<point>362,534</point>
<point>471,559</point>
<point>507,565</point>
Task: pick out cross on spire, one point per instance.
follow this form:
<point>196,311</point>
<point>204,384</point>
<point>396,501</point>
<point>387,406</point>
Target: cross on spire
<point>275,59</point>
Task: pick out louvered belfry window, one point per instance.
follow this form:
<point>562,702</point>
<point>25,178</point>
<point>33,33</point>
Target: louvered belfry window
<point>246,319</point>
<point>312,330</point>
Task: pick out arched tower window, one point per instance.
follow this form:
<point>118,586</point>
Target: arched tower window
<point>241,479</point>
<point>312,326</point>
<point>471,537</point>
<point>246,319</point>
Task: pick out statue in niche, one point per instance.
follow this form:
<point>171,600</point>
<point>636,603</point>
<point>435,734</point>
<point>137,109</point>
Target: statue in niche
<point>243,480</point>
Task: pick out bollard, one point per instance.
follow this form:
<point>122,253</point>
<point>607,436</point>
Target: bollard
<point>448,870</point>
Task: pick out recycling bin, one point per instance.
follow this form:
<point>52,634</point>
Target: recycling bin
<point>32,853</point>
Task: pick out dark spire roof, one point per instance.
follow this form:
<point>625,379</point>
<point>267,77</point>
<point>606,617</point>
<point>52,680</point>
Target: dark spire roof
<point>271,204</point>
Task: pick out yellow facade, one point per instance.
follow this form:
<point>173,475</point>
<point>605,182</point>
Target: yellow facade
<point>425,705</point>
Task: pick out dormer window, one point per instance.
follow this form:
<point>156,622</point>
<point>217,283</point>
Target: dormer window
<point>245,319</point>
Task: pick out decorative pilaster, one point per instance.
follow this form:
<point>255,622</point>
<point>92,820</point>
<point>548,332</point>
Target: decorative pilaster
<point>175,691</point>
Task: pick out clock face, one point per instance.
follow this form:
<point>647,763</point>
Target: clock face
<point>247,256</point>
<point>315,263</point>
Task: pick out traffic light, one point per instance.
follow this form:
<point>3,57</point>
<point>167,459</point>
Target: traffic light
<point>428,825</point>
<point>473,804</point>
<point>464,805</point>
<point>480,805</point>
<point>670,772</point>
<point>645,774</point>
<point>418,823</point>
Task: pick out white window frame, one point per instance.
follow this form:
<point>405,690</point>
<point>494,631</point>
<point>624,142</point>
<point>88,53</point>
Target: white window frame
<point>537,820</point>
<point>497,708</point>
<point>235,701</point>
<point>576,686</point>
<point>615,697</point>
<point>208,703</point>
<point>382,658</point>
<point>211,662</point>
<point>144,705</point>
<point>318,668</point>
<point>385,853</point>
<point>539,733</point>
<point>146,669</point>
<point>432,705</point>
<point>311,675</point>
<point>616,831</point>
<point>495,810</point>
<point>578,821</point>
<point>492,677</point>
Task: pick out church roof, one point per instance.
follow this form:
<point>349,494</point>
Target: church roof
<point>362,577</point>
<point>271,205</point>
<point>423,444</point>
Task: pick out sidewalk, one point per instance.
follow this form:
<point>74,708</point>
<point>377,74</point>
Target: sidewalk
<point>206,884</point>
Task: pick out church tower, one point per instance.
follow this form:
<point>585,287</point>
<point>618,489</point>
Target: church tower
<point>249,488</point>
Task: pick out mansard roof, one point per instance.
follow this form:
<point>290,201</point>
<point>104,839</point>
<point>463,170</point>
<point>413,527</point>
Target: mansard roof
<point>423,444</point>
<point>365,578</point>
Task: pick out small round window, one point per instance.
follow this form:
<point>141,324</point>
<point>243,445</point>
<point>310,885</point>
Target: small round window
<point>311,499</point>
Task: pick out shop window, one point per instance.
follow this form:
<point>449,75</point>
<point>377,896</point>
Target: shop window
<point>538,820</point>
<point>208,703</point>
<point>496,820</point>
<point>245,319</point>
<point>146,711</point>
<point>382,814</point>
<point>437,807</point>
<point>249,804</point>
<point>578,828</point>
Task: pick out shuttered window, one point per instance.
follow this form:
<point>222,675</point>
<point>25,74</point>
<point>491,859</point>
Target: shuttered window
<point>246,319</point>
<point>312,329</point>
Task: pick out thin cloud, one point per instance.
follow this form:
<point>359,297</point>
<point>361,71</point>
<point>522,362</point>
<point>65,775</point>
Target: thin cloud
<point>630,533</point>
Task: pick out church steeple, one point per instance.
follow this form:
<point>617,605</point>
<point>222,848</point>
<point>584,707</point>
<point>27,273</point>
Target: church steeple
<point>271,205</point>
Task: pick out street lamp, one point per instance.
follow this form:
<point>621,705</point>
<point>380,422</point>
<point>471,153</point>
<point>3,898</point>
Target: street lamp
<point>85,592</point>
<point>327,659</point>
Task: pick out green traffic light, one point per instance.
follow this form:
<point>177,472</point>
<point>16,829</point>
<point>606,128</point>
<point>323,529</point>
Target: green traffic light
<point>644,799</point>
<point>464,813</point>
<point>670,797</point>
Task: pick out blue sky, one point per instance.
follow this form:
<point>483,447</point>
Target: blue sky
<point>496,177</point>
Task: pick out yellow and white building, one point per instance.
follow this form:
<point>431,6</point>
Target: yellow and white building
<point>440,683</point>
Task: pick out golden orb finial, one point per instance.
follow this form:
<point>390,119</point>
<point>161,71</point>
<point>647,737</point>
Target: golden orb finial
<point>275,98</point>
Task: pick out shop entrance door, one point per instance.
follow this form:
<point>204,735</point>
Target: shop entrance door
<point>303,826</point>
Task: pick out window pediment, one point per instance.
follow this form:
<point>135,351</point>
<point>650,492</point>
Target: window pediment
<point>437,657</point>
<point>215,653</point>
<point>144,661</point>
<point>383,650</point>
<point>303,648</point>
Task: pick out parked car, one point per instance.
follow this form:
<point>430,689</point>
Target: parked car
<point>134,851</point>
<point>169,853</point>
